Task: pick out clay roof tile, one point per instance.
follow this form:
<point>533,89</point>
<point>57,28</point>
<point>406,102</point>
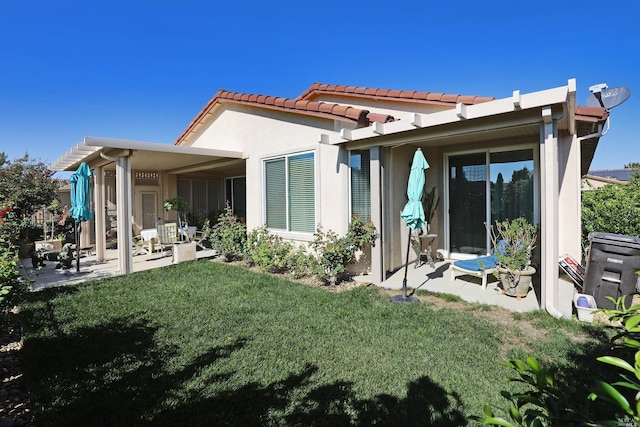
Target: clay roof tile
<point>451,98</point>
<point>301,105</point>
<point>382,118</point>
<point>326,108</point>
<point>407,94</point>
<point>313,105</point>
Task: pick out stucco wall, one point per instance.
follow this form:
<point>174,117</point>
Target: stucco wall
<point>569,182</point>
<point>266,134</point>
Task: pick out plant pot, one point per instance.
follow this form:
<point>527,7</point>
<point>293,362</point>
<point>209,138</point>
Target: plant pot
<point>516,283</point>
<point>25,249</point>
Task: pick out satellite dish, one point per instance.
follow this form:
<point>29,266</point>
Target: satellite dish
<point>608,97</point>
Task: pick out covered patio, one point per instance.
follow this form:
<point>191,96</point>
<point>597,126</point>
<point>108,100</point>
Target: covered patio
<point>94,269</point>
<point>129,161</point>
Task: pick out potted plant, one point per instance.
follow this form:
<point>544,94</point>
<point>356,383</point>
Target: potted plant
<point>178,204</point>
<point>430,204</point>
<point>513,243</point>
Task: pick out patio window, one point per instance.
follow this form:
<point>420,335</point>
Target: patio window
<point>201,195</point>
<point>290,193</point>
<point>360,184</point>
<point>236,195</point>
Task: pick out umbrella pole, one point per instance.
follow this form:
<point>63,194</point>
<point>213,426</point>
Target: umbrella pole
<point>77,246</point>
<point>406,267</point>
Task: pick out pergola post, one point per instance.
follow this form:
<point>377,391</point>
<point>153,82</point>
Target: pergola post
<point>98,214</point>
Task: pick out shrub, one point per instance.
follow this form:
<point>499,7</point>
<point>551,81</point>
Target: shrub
<point>300,263</point>
<point>268,251</point>
<point>12,284</point>
<point>336,253</point>
<point>229,236</point>
<point>612,209</point>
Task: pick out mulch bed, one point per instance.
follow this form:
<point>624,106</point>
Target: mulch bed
<point>15,406</point>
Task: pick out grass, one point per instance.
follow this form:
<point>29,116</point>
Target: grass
<point>205,343</point>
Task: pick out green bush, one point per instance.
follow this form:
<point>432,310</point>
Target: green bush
<point>612,209</point>
<point>335,253</point>
<point>300,263</point>
<point>268,251</point>
<point>12,284</point>
<point>229,236</point>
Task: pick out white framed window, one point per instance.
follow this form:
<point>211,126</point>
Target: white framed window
<point>360,180</point>
<point>290,192</point>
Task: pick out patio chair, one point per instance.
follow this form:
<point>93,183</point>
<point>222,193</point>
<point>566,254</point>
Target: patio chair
<point>167,236</point>
<point>477,267</point>
<point>139,247</point>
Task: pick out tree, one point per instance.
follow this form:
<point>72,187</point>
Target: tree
<point>26,185</point>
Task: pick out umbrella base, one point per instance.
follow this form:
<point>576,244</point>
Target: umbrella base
<point>399,299</point>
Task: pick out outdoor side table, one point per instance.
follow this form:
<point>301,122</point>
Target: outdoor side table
<point>428,239</point>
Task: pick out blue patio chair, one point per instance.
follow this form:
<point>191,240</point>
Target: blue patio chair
<point>477,267</point>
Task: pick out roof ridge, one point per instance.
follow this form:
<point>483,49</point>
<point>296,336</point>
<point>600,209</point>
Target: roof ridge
<point>404,95</point>
<point>316,108</point>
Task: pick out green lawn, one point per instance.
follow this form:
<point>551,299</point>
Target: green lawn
<point>205,343</point>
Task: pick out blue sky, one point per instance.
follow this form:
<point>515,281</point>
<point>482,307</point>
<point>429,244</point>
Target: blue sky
<point>141,70</point>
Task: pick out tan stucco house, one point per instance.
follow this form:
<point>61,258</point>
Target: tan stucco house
<point>296,164</point>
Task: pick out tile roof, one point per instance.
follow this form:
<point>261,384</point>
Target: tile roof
<point>591,114</point>
<point>397,95</point>
<point>327,110</point>
<point>617,174</point>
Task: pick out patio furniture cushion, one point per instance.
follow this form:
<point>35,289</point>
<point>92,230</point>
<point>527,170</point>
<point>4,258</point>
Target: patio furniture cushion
<point>478,267</point>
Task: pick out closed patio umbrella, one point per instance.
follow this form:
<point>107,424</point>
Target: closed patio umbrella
<point>413,214</point>
<point>80,202</point>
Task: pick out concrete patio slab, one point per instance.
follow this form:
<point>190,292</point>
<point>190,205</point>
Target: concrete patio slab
<point>91,269</point>
<point>468,288</point>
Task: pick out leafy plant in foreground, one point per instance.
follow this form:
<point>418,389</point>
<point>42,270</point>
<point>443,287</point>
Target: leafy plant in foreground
<point>540,405</point>
<point>628,337</point>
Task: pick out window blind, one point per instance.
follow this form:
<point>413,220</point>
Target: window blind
<point>302,193</point>
<point>360,184</point>
<point>276,193</point>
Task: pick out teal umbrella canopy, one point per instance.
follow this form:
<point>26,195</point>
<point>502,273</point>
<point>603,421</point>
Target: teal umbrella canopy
<point>80,194</point>
<point>413,212</point>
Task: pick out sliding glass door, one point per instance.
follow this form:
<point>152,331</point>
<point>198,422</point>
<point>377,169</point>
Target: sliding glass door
<point>485,187</point>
